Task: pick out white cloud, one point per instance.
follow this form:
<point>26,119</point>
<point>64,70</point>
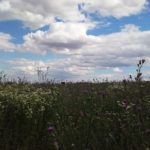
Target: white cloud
<point>4,6</point>
<point>5,42</point>
<point>130,28</point>
<point>37,13</point>
<point>26,65</point>
<point>69,65</point>
<point>62,69</point>
<point>77,67</point>
<point>62,37</point>
<point>111,50</point>
<point>116,8</point>
<point>117,70</point>
<point>84,54</point>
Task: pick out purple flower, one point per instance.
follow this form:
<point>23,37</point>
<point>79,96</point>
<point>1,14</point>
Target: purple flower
<point>51,129</point>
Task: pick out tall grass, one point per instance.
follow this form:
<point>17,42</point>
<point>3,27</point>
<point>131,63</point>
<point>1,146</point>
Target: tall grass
<point>76,116</point>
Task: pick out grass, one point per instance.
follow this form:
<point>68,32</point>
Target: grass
<point>75,116</point>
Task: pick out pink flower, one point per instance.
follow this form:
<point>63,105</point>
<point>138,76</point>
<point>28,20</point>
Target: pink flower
<point>51,129</point>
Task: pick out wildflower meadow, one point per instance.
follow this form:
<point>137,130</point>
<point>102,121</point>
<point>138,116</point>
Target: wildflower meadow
<point>76,116</point>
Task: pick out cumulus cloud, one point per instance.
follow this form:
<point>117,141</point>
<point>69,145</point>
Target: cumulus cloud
<point>5,42</point>
<point>120,48</point>
<point>61,37</point>
<point>84,54</point>
<point>37,13</point>
<point>129,42</point>
<point>115,8</point>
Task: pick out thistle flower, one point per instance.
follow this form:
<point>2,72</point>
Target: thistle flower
<point>51,129</point>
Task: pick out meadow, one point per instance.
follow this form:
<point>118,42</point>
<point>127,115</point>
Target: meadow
<point>76,116</point>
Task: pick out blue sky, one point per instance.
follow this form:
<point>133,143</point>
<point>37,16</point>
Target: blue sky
<point>78,39</point>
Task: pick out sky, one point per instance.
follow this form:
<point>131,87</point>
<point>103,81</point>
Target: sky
<point>75,39</point>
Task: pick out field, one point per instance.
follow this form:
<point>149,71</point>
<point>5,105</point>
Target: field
<point>75,116</point>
